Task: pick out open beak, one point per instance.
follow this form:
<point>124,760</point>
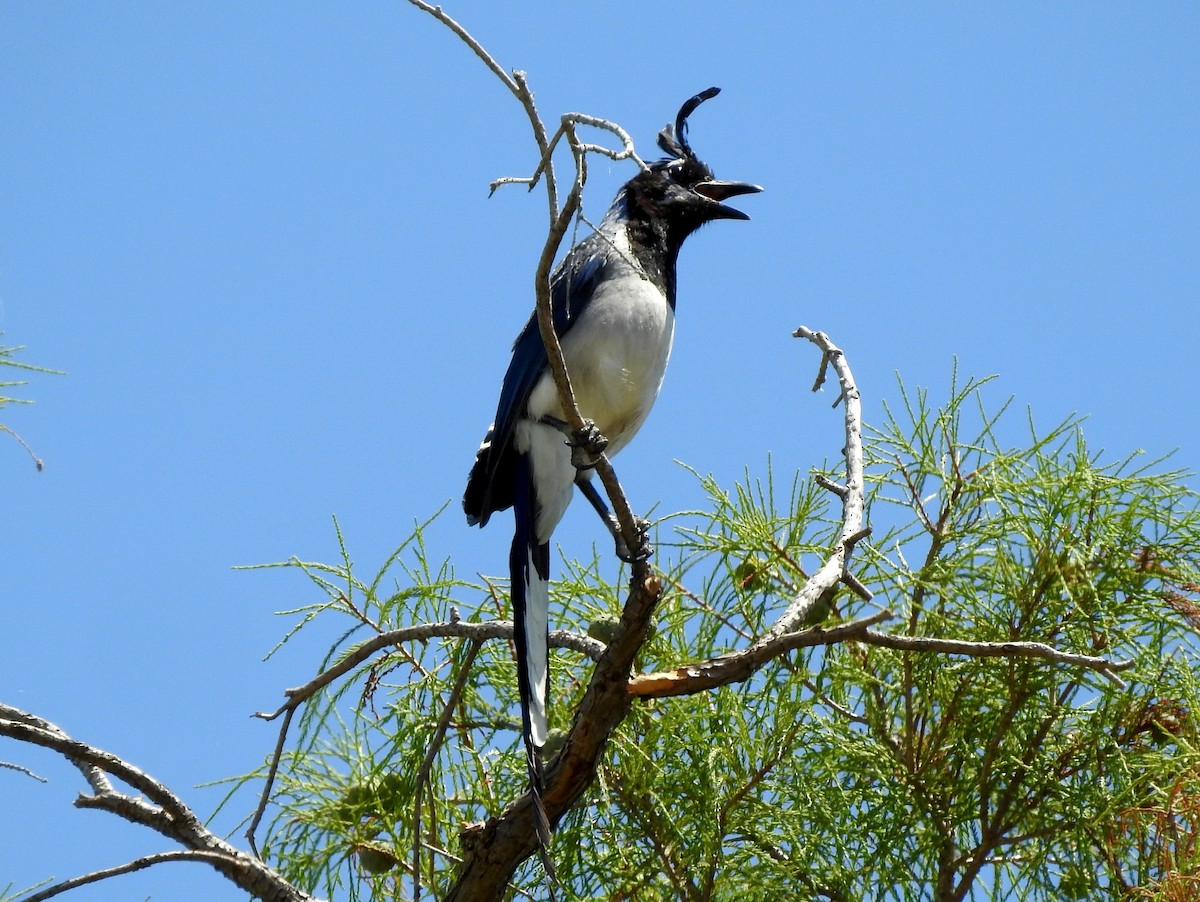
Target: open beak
<point>718,191</point>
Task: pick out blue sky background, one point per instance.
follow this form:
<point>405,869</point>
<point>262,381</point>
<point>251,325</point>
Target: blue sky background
<point>257,238</point>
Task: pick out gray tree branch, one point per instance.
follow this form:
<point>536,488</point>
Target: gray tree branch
<point>160,810</point>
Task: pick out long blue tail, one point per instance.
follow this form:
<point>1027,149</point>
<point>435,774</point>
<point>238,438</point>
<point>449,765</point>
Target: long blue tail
<point>529,569</point>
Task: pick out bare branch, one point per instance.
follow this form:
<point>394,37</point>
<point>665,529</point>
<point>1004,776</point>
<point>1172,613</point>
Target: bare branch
<point>559,221</point>
<point>525,95</point>
<point>161,810</point>
<point>467,38</point>
<point>515,83</point>
<point>557,362</point>
<point>1103,666</point>
<point>853,496</point>
<point>269,782</point>
<point>175,813</point>
<point>476,632</point>
<point>567,129</point>
<point>8,765</point>
<point>462,629</point>
<point>783,636</point>
<point>493,849</point>
<point>738,666</point>
<point>138,864</point>
<point>627,152</point>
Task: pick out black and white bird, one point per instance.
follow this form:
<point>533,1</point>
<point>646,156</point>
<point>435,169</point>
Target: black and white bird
<point>613,300</point>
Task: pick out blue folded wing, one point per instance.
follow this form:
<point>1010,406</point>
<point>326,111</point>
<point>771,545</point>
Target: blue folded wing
<point>490,486</point>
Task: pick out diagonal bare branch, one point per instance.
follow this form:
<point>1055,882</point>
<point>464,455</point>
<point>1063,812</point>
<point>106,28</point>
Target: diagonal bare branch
<point>515,83</point>
<point>130,867</point>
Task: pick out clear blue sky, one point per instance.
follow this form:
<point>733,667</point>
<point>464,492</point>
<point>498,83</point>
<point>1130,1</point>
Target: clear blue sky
<point>257,238</point>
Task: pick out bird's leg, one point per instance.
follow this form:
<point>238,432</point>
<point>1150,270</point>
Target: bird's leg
<point>629,555</point>
<point>586,443</point>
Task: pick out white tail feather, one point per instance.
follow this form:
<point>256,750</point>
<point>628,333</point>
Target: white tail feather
<point>537,608</point>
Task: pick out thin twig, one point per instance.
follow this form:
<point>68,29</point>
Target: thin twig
<point>435,743</point>
<point>130,867</point>
<point>706,607</point>
<point>839,709</point>
<point>515,83</point>
<point>37,461</point>
<point>559,221</point>
<point>461,629</point>
<point>627,151</point>
<point>269,782</point>
<point>8,765</point>
<point>566,129</point>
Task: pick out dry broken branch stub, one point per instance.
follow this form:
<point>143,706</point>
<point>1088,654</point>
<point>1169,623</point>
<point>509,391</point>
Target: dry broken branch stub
<point>829,485</point>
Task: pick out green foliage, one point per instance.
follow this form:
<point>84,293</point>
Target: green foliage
<point>7,360</point>
<point>847,772</point>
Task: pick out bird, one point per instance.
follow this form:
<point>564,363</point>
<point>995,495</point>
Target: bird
<point>613,308</point>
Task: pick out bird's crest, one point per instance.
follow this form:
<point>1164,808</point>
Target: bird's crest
<point>683,164</point>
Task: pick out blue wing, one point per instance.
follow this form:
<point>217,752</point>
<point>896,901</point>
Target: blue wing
<point>490,485</point>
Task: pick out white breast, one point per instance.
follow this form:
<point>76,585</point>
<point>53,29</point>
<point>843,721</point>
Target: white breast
<point>617,356</point>
<point>618,359</point>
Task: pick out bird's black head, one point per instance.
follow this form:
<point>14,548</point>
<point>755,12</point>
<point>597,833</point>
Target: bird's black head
<point>680,193</point>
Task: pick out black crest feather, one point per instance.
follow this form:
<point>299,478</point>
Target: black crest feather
<point>673,139</point>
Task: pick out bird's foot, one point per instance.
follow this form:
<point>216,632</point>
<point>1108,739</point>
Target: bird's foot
<point>587,444</point>
<point>642,549</point>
